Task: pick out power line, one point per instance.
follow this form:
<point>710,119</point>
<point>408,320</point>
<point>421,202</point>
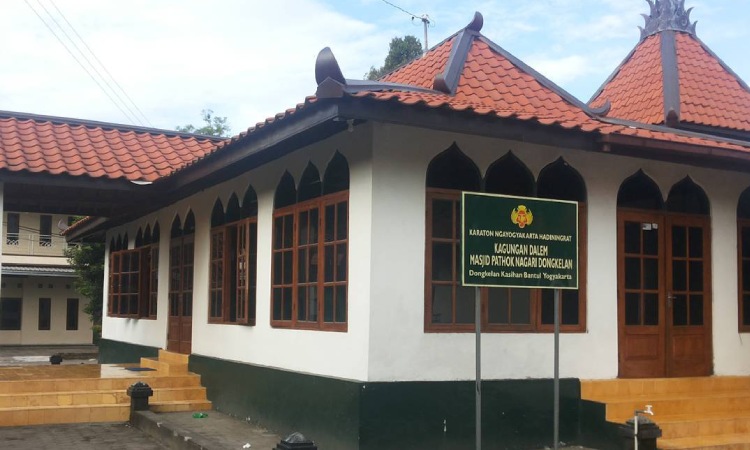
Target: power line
<point>413,16</point>
<point>79,62</point>
<point>424,18</point>
<point>101,63</point>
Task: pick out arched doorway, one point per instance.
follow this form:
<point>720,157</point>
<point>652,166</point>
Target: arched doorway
<point>664,278</point>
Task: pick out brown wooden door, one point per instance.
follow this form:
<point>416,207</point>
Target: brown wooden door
<point>664,303</point>
<point>180,327</point>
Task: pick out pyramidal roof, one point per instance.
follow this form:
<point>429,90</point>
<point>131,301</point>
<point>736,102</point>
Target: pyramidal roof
<point>466,71</point>
<point>672,78</point>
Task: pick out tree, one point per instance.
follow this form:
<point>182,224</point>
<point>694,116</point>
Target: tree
<point>88,262</point>
<point>401,51</point>
<point>214,125</point>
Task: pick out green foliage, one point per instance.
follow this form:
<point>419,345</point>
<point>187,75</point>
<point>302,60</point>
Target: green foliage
<point>214,125</point>
<point>88,262</point>
<point>401,51</point>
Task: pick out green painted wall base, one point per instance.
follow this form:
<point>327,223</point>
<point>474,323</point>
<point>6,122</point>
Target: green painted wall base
<point>347,415</point>
<point>118,352</point>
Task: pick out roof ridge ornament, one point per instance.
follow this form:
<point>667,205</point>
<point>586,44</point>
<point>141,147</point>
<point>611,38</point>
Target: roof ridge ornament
<point>667,15</point>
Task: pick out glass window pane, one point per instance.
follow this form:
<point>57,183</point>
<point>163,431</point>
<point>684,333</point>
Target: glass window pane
<point>278,232</point>
<point>330,223</point>
<point>679,241</point>
<point>696,242</point>
<point>569,311</point>
<point>746,310</point>
<point>632,237</point>
<point>341,303</point>
<point>442,304</point>
<point>442,258</point>
<point>548,307</point>
<point>650,273</point>
<point>341,222</point>
<point>341,262</point>
<point>277,267</point>
<point>442,218</point>
<point>632,273</point>
<point>746,275</point>
<point>288,269</point>
<point>465,304</point>
<point>651,309</point>
<point>520,306</point>
<point>276,304</point>
<point>746,242</point>
<point>312,265</point>
<point>679,310</point>
<point>696,276</point>
<point>288,231</point>
<point>314,226</point>
<point>328,257</point>
<point>287,299</point>
<point>632,309</point>
<point>301,303</point>
<point>328,304</point>
<point>696,310</point>
<point>679,275</point>
<point>304,230</point>
<point>498,305</point>
<point>302,266</point>
<point>651,241</point>
<point>312,297</point>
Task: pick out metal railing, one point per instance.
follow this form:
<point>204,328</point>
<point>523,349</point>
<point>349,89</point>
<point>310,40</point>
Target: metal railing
<point>33,244</point>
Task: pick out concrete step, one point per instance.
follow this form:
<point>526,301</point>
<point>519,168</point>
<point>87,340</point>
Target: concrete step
<point>38,415</point>
<point>96,384</point>
<point>164,367</point>
<point>173,358</point>
<point>719,442</point>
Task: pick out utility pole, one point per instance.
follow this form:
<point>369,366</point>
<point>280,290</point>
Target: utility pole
<point>425,23</point>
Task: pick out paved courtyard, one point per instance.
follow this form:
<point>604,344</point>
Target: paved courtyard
<point>94,436</point>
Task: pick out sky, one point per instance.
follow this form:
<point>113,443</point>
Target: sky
<point>250,59</point>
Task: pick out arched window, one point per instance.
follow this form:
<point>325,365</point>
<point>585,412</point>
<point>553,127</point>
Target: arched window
<point>310,266</point>
<point>640,192</point>
<point>510,309</point>
<point>509,176</point>
<point>233,262</point>
<point>743,226</point>
<point>560,181</point>
<point>448,305</point>
<point>133,285</point>
<point>688,198</point>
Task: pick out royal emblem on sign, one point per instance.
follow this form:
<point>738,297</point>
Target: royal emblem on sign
<point>521,216</point>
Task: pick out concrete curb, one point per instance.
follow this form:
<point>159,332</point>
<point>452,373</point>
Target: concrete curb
<point>169,434</point>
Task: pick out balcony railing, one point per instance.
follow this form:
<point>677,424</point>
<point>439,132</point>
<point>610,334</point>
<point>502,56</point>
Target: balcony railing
<point>33,244</point>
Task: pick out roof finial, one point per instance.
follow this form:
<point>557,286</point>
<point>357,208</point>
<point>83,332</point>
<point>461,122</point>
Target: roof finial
<point>667,15</point>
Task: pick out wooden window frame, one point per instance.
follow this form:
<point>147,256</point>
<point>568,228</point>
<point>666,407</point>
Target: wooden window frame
<point>535,324</point>
<point>741,289</point>
<point>238,263</point>
<point>143,305</point>
<point>320,284</point>
<point>71,315</point>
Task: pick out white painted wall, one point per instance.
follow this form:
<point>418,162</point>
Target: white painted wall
<point>335,354</point>
<point>386,339</point>
<point>401,157</point>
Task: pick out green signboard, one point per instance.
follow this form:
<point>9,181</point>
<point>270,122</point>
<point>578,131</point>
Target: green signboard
<point>519,242</point>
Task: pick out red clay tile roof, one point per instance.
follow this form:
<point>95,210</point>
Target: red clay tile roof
<point>636,92</point>
<point>489,83</point>
<point>41,144</point>
<point>709,94</point>
<point>422,71</point>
